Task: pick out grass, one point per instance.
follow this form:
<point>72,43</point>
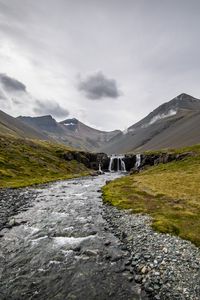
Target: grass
<point>170,193</point>
<point>25,162</point>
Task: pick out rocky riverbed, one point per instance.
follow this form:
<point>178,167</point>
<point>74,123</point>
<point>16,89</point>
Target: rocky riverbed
<point>167,267</point>
<point>59,241</point>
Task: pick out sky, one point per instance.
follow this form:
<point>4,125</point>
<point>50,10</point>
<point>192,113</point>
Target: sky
<point>106,62</point>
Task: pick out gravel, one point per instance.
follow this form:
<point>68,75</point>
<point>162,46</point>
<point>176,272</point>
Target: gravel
<point>167,266</point>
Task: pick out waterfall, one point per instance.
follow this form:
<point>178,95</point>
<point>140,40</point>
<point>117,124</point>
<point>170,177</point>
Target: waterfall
<point>117,164</point>
<point>111,163</point>
<point>100,171</point>
<point>138,161</point>
<point>123,166</point>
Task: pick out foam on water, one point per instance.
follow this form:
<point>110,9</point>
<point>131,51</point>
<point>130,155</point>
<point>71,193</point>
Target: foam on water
<point>70,228</point>
<point>32,229</point>
<point>35,241</point>
<point>79,194</point>
<point>87,185</point>
<point>54,262</point>
<point>41,270</point>
<point>60,214</point>
<point>70,241</point>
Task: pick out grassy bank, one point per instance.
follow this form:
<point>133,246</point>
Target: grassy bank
<point>27,162</point>
<point>170,193</point>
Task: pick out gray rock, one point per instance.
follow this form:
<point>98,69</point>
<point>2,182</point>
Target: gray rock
<point>11,223</point>
<point>138,278</point>
<point>107,243</point>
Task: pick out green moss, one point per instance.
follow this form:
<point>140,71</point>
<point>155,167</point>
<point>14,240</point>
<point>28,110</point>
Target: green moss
<point>194,148</point>
<point>170,193</point>
<point>25,162</point>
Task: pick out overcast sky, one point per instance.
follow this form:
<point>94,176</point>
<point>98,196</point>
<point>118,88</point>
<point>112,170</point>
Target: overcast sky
<point>105,62</point>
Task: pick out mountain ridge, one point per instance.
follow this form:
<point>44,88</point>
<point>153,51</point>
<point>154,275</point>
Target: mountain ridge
<point>70,132</point>
<point>13,127</point>
<point>181,114</point>
<point>175,123</point>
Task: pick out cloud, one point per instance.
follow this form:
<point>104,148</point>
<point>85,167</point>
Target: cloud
<point>97,86</point>
<point>127,43</point>
<point>2,95</point>
<point>50,108</point>
<point>17,100</point>
<point>11,84</point>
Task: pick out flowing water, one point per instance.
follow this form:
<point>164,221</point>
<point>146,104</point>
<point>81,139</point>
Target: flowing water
<point>138,160</point>
<point>116,163</point>
<point>64,248</point>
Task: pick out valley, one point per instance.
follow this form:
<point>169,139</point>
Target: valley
<point>173,124</point>
<point>139,239</point>
<point>99,150</point>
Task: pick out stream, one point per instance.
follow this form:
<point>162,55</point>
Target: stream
<point>62,247</point>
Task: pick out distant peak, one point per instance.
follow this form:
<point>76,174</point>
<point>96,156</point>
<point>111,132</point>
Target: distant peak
<point>71,121</point>
<point>74,119</point>
<point>184,96</point>
<point>46,117</point>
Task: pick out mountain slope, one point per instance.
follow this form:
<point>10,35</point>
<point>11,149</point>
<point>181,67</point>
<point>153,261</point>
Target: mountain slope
<point>25,162</point>
<point>70,132</point>
<point>14,127</point>
<point>173,124</point>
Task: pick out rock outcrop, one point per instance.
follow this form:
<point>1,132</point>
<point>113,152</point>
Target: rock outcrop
<point>93,160</point>
<point>153,159</point>
<point>90,160</point>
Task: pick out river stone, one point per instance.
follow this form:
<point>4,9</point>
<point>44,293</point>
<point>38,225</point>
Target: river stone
<point>138,278</point>
<point>144,270</point>
<point>12,222</point>
<point>107,243</point>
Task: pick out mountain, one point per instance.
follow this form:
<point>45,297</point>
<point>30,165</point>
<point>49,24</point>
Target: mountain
<point>70,132</point>
<point>173,124</point>
<point>13,127</point>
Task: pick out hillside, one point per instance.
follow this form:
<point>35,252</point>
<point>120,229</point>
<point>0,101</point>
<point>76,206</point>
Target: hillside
<point>168,192</point>
<point>173,124</point>
<point>26,162</point>
<point>70,132</point>
<point>13,127</point>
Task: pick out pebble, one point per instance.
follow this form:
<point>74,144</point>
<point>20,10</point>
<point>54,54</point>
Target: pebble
<point>144,270</point>
<point>167,267</point>
<point>138,278</point>
<point>128,262</point>
<point>130,278</point>
<point>107,243</point>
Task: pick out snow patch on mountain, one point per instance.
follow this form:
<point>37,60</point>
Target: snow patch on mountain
<point>170,113</point>
<point>69,124</point>
<point>128,130</point>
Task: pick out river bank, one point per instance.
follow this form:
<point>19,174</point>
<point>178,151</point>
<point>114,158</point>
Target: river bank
<point>167,267</point>
<point>60,241</point>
